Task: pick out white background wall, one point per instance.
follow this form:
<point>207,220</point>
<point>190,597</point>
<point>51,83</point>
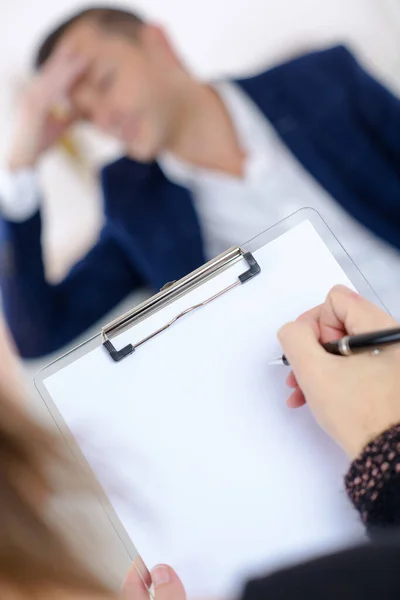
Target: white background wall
<point>214,40</point>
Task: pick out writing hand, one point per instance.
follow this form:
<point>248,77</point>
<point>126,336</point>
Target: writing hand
<point>356,398</point>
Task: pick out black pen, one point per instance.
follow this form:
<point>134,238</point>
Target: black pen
<point>354,344</point>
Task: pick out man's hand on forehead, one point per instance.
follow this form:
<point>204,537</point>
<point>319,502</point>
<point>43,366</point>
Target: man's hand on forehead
<point>46,111</point>
<point>59,75</point>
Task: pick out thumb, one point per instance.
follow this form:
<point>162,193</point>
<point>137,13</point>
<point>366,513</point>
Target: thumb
<point>167,584</point>
<point>303,350</point>
<point>137,582</point>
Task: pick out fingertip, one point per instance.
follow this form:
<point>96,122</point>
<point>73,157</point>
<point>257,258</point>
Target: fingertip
<point>291,380</point>
<point>343,289</point>
<point>167,584</point>
<point>162,575</point>
<point>289,402</point>
<point>296,400</point>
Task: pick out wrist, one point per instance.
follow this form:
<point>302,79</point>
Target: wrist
<point>18,161</point>
<point>24,148</point>
<point>361,442</point>
<point>19,194</point>
<point>372,475</point>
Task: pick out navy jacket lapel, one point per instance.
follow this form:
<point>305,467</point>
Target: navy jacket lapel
<point>158,220</point>
<point>329,124</point>
<point>301,131</point>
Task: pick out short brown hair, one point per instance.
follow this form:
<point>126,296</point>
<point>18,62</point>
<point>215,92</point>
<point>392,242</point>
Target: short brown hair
<point>111,19</point>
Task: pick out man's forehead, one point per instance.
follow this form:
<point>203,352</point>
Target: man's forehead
<point>86,38</point>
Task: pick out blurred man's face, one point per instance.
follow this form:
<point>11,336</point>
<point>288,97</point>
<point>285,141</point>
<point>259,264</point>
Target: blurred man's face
<point>131,89</point>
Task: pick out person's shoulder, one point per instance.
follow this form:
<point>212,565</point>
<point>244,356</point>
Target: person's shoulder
<point>327,60</point>
<point>327,57</point>
<point>326,67</point>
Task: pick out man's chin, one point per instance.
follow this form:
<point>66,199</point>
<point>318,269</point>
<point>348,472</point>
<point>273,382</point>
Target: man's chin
<point>143,155</point>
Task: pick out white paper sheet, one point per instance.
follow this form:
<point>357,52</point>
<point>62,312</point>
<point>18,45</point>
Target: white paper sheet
<point>191,438</point>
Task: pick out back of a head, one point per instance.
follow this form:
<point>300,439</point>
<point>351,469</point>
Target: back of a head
<point>108,18</point>
<point>35,557</point>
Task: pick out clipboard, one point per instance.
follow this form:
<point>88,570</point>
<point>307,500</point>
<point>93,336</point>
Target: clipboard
<point>118,354</point>
<point>176,289</point>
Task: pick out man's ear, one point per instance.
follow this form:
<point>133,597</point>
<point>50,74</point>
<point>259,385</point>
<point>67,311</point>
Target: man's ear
<point>155,39</point>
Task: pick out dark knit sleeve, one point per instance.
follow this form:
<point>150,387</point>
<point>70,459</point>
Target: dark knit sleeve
<point>373,481</point>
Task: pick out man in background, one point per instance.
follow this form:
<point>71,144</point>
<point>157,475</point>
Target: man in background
<point>206,166</point>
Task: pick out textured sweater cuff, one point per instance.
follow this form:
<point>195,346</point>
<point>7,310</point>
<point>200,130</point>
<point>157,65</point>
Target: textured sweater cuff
<point>373,480</point>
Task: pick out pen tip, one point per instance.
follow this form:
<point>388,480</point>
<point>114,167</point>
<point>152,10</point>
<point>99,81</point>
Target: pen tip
<point>276,361</point>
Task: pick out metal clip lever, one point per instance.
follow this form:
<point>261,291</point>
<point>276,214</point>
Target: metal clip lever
<point>118,355</point>
<point>254,270</point>
<point>115,354</point>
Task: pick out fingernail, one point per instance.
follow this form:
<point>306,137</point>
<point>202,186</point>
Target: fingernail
<point>160,575</point>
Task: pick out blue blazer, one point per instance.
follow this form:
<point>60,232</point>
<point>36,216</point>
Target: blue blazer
<point>341,124</point>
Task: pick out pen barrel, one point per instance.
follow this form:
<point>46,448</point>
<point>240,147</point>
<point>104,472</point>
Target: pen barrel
<point>377,339</point>
<point>363,342</point>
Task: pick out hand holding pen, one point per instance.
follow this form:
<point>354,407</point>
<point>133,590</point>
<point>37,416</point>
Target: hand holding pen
<point>353,400</point>
<point>373,342</point>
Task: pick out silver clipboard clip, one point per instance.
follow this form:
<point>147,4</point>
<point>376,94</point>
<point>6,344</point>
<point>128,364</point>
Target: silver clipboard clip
<point>175,290</point>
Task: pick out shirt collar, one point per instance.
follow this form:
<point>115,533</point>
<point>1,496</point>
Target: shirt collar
<point>246,119</point>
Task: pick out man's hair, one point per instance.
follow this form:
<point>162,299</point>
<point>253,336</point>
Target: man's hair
<point>110,19</point>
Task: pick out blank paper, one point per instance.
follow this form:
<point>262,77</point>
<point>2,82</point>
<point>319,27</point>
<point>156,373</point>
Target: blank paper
<point>206,467</point>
